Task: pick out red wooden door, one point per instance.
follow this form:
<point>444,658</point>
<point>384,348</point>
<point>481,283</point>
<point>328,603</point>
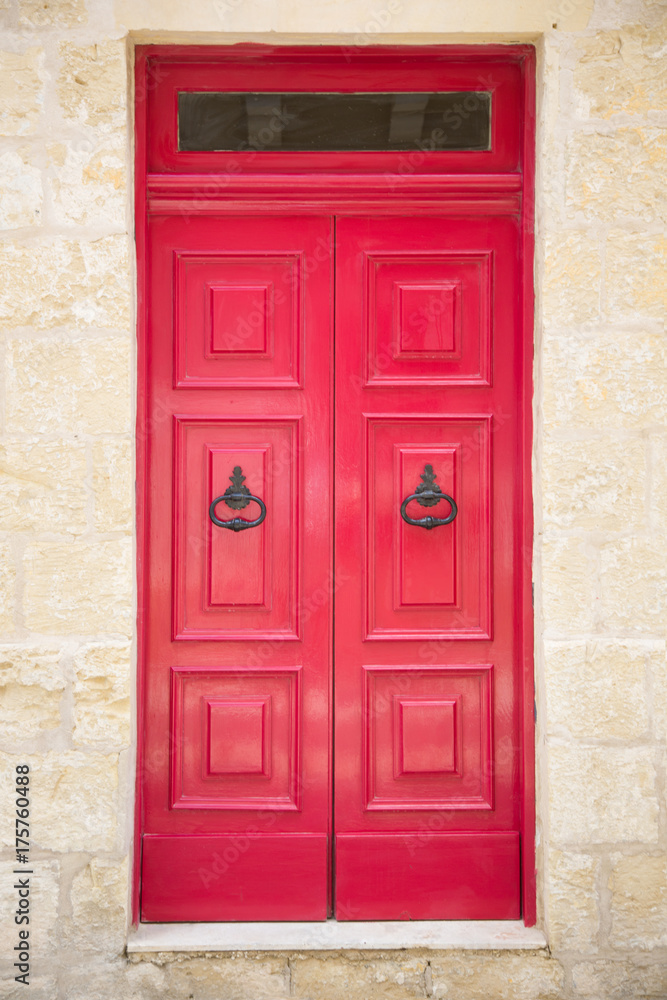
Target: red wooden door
<point>427,633</point>
<point>236,765</point>
<point>254,260</point>
<point>429,356</point>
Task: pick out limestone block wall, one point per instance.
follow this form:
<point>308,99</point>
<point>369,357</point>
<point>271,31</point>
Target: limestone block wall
<point>67,595</point>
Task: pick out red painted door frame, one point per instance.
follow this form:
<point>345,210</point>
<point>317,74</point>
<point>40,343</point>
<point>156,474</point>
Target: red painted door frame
<point>498,183</point>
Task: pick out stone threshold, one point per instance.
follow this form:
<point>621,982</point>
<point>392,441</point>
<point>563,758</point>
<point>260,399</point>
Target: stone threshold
<point>332,935</point>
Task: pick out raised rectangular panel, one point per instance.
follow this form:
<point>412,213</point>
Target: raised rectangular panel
<point>428,737</point>
<point>230,877</point>
<point>425,567</point>
<point>238,735</point>
<point>235,738</point>
<point>237,319</point>
<point>425,740</point>
<point>428,318</point>
<point>428,875</point>
<point>427,321</point>
<point>229,584</point>
<point>240,319</point>
<point>425,582</point>
<point>226,586</point>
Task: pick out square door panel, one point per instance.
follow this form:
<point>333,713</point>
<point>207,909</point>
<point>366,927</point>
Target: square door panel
<point>429,739</point>
<point>238,735</point>
<point>427,734</point>
<point>235,738</point>
<point>235,584</point>
<point>237,319</point>
<point>423,582</point>
<point>428,319</point>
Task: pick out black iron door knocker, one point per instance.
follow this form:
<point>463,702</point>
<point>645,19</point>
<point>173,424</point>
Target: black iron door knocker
<point>237,496</point>
<point>428,494</point>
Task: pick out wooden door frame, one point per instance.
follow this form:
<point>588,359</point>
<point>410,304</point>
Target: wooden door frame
<point>420,188</point>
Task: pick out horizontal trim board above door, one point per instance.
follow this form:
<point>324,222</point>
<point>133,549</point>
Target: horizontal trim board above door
<point>361,193</point>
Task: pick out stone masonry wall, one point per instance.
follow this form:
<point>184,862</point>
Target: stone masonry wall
<point>66,503</point>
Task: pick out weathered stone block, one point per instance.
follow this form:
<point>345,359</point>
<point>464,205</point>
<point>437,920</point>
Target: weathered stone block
<point>633,585</point>
<point>658,487</point>
<point>498,975</point>
<point>145,980</point>
<point>602,795</point>
<point>218,978</point>
<point>616,176</point>
<point>572,900</point>
<point>98,919</point>
<point>57,12</point>
<point>102,695</point>
<point>93,979</point>
<point>69,386</point>
<point>93,84</point>
<point>638,886</point>
<point>41,988</point>
<point>71,282</point>
<point>113,482</point>
<point>568,599</point>
<point>572,275</point>
<point>622,71</point>
<point>31,684</point>
<point>88,184</point>
<point>376,978</point>
<point>636,278</point>
<point>658,668</point>
<point>22,89</point>
<point>597,689</point>
<point>39,664</point>
<point>20,190</point>
<point>619,380</point>
<point>7,589</point>
<point>599,483</point>
<point>42,486</point>
<point>74,796</point>
<point>622,980</point>
<point>84,587</point>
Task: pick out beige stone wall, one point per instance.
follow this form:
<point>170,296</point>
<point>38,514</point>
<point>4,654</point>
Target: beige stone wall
<point>66,475</point>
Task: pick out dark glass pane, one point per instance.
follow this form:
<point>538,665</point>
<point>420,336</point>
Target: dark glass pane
<point>318,122</point>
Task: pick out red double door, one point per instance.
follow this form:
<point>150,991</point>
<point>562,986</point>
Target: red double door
<point>332,713</point>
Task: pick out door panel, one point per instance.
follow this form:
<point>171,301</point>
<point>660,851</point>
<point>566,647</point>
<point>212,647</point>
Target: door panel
<point>238,318</point>
<point>428,318</point>
<point>236,738</point>
<point>236,763</point>
<point>428,357</point>
<point>430,737</point>
<point>254,873</point>
<point>253,595</point>
<point>458,878</point>
<point>425,583</point>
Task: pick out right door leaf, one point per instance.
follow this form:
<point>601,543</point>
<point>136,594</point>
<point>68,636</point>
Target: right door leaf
<point>428,398</point>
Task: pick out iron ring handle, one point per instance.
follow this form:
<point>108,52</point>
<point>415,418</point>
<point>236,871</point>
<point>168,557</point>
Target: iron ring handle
<point>237,523</point>
<point>429,522</point>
